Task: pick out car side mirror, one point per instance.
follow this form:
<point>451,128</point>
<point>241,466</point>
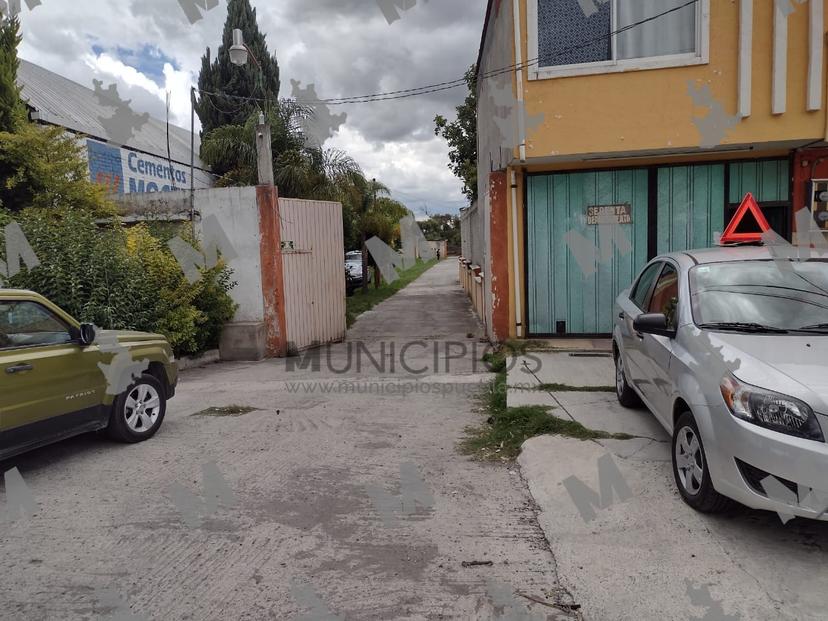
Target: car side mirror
<point>86,334</point>
<point>653,323</point>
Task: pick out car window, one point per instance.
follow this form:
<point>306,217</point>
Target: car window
<point>644,284</point>
<point>665,295</point>
<point>24,324</point>
<point>788,295</point>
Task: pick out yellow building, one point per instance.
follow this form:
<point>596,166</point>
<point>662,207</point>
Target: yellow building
<point>610,131</point>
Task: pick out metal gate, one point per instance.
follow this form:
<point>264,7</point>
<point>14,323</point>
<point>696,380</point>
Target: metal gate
<point>313,261</point>
<point>563,297</point>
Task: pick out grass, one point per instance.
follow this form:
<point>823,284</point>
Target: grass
<point>506,429</point>
<point>227,410</point>
<point>568,388</point>
<point>361,302</point>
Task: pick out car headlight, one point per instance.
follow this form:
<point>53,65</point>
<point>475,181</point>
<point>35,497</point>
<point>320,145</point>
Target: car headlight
<point>770,409</point>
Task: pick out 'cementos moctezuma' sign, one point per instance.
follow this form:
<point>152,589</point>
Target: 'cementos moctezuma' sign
<point>126,171</point>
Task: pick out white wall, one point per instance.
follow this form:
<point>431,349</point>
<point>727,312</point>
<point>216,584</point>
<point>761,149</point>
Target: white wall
<point>238,215</point>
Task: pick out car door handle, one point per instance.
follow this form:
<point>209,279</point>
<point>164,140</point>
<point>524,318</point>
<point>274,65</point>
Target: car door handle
<point>19,368</point>
<point>621,315</point>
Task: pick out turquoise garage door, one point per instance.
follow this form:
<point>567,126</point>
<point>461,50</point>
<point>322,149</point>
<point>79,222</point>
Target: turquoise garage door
<point>567,293</point>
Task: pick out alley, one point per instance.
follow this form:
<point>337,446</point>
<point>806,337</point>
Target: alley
<point>342,495</point>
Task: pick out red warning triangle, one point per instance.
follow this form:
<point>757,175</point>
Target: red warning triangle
<point>730,235</point>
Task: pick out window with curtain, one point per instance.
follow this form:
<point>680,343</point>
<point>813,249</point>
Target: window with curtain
<point>570,35</point>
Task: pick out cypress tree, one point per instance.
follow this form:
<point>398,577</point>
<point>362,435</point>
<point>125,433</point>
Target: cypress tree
<point>12,109</point>
<point>219,75</point>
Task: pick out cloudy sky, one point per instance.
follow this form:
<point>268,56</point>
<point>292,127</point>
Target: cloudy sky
<point>344,47</point>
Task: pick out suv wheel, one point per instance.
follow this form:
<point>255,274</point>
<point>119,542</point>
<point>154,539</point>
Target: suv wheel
<point>138,411</point>
<point>690,468</point>
<point>626,395</point>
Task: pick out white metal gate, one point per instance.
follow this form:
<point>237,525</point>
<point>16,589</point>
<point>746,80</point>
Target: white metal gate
<point>313,259</point>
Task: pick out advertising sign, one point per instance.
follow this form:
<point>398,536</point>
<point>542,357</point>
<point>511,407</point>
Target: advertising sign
<point>126,171</point>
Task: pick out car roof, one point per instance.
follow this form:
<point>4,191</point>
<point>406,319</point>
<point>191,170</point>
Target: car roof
<point>15,292</point>
<point>722,254</point>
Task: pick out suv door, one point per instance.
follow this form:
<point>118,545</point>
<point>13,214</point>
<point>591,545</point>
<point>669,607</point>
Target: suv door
<point>631,308</point>
<point>50,386</point>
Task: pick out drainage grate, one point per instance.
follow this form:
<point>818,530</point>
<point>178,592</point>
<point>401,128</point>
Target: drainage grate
<point>587,354</point>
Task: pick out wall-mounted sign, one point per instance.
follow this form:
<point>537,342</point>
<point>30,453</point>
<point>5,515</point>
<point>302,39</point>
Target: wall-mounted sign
<point>610,214</point>
<point>288,245</point>
<point>125,171</point>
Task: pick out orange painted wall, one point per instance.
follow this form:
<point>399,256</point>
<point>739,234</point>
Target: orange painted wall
<point>499,214</point>
<point>270,249</point>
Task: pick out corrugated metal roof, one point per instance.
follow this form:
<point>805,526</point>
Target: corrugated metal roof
<point>61,101</point>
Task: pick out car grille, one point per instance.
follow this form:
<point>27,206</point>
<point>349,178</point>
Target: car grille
<point>753,476</point>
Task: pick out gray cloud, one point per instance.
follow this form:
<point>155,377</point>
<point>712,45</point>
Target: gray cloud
<point>344,47</point>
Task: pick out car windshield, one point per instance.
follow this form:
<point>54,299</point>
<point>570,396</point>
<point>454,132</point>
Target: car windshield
<point>783,295</point>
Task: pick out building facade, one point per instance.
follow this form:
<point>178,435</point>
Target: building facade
<point>611,131</point>
<point>127,152</point>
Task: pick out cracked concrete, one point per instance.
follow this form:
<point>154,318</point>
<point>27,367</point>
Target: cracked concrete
<point>302,537</point>
<point>652,556</point>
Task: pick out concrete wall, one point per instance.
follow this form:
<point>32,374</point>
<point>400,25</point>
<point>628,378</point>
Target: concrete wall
<point>291,292</point>
<point>238,214</point>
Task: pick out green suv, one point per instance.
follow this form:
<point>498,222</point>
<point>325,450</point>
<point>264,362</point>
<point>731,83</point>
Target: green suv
<point>60,378</point>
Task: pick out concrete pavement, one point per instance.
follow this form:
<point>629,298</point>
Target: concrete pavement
<point>649,555</point>
<point>341,496</point>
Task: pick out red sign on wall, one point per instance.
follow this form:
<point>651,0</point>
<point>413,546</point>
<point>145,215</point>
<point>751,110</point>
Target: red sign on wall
<point>749,204</point>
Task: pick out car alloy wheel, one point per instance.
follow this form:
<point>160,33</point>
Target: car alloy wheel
<point>626,395</point>
<point>620,380</point>
<point>142,408</point>
<point>689,460</point>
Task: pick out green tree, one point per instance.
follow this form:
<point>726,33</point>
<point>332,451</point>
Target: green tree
<point>219,75</point>
<point>461,135</point>
<point>12,109</point>
<point>39,166</point>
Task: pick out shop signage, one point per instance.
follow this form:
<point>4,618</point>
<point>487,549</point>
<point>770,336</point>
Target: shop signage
<point>609,214</point>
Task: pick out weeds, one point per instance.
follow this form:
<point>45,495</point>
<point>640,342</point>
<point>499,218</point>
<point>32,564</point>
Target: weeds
<point>506,429</point>
<point>227,410</point>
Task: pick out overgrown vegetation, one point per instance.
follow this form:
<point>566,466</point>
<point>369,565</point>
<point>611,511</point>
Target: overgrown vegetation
<point>506,429</point>
<point>227,410</point>
<point>568,388</point>
<point>363,301</point>
<point>106,274</point>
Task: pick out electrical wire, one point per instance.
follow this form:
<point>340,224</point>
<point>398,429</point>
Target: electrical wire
<point>451,84</point>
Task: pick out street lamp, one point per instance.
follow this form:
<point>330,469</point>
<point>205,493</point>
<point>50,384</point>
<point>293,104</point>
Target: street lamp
<point>239,53</point>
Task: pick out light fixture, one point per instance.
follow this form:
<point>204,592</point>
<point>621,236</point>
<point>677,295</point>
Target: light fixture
<point>238,51</point>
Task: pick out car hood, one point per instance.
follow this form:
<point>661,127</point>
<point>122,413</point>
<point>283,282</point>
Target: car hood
<point>130,337</point>
<point>791,364</point>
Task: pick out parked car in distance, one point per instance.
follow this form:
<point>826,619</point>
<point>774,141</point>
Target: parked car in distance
<point>59,378</point>
<point>353,271</point>
<point>729,350</point>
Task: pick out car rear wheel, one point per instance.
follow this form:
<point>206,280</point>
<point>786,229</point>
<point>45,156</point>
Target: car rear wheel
<point>690,468</point>
<point>138,411</point>
<point>626,395</point>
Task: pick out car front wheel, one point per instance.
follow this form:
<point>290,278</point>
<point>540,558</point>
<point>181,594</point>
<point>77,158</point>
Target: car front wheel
<point>138,411</point>
<point>626,395</point>
<point>690,468</point>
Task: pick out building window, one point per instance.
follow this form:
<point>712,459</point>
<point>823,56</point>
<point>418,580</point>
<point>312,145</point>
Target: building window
<point>569,40</point>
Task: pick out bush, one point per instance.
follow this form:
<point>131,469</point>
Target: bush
<point>120,278</point>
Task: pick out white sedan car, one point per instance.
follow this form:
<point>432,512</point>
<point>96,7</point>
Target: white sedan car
<point>728,347</point>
